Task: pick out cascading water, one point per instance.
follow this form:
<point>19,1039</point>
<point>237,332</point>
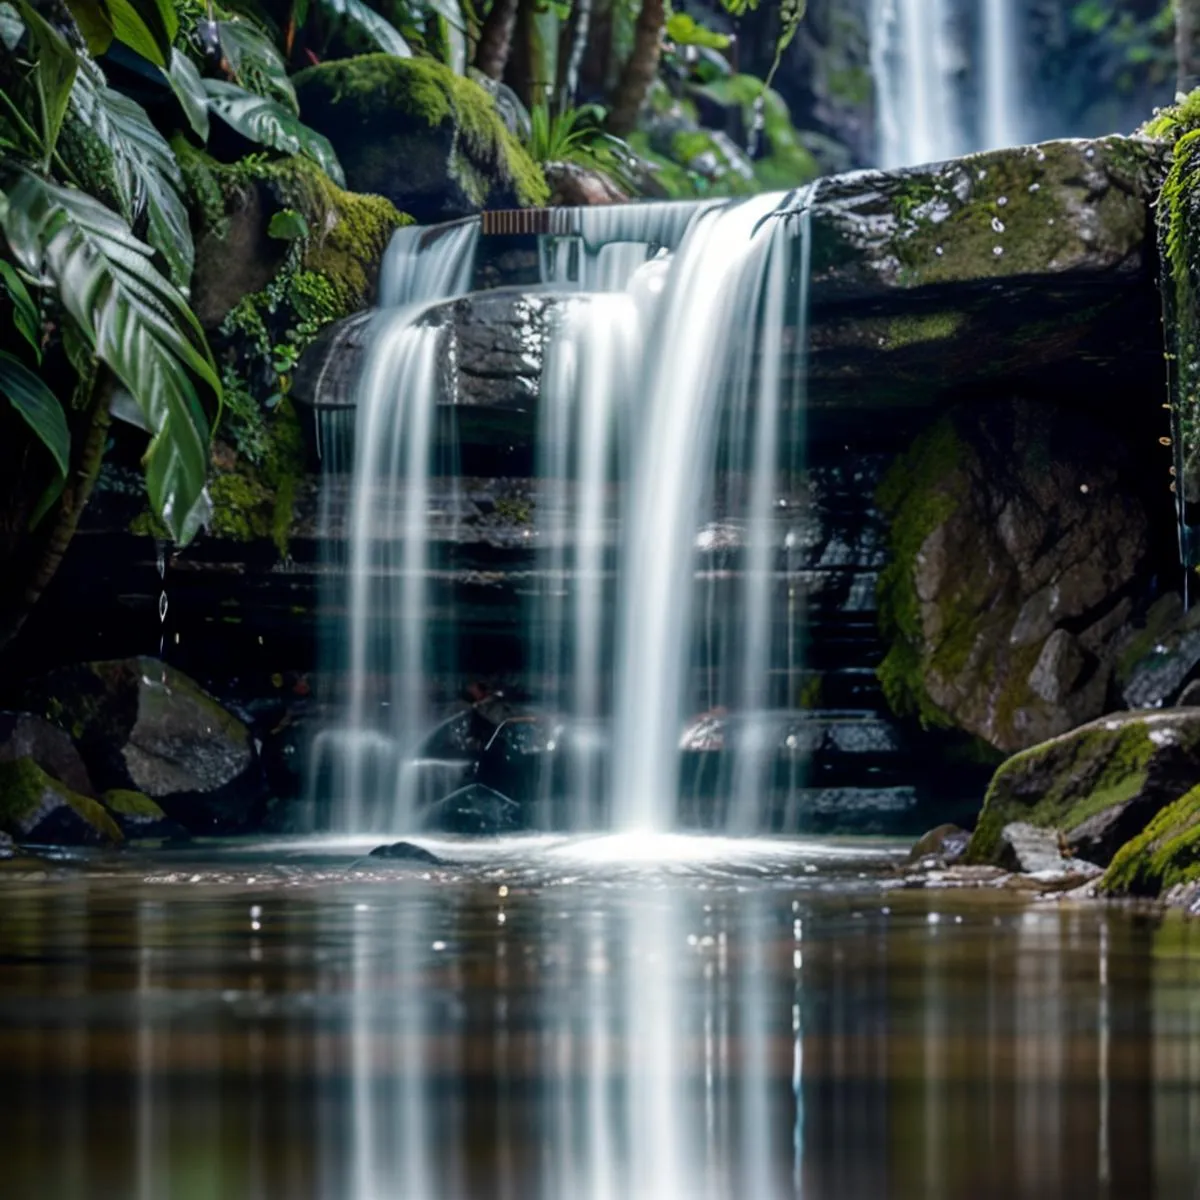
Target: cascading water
<point>940,91</point>
<point>914,61</point>
<point>724,294</point>
<point>589,376</point>
<point>361,761</point>
<point>1002,115</point>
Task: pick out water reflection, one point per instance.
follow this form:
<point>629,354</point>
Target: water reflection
<point>514,1030</point>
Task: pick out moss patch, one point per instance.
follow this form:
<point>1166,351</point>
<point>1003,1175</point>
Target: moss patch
<point>920,491</point>
<point>1166,853</point>
<point>35,805</point>
<point>358,102</point>
<point>136,806</point>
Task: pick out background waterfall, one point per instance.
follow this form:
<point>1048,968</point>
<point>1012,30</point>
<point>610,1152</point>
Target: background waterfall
<point>948,78</point>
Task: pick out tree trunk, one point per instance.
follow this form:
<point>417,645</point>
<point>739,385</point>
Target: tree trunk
<point>70,508</point>
<point>581,23</point>
<point>495,38</point>
<point>638,73</point>
<point>1187,44</point>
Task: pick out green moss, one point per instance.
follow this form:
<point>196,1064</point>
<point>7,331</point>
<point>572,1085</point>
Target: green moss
<point>811,692</point>
<point>28,796</point>
<point>375,87</point>
<point>136,806</point>
<point>514,509</point>
<point>920,491</point>
<point>1164,854</point>
<point>850,85</point>
<point>920,329</point>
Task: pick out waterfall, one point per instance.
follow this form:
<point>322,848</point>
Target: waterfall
<point>1002,116</point>
<point>663,440</point>
<point>726,283</point>
<point>588,377</point>
<point>385,650</point>
<point>940,92</point>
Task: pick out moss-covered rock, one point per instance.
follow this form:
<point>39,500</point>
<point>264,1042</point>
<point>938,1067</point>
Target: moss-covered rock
<point>34,807</point>
<point>1164,855</point>
<point>25,735</point>
<point>145,727</point>
<point>282,253</point>
<point>1099,785</point>
<point>1014,536</point>
<point>412,130</point>
<point>1061,208</point>
<point>138,815</point>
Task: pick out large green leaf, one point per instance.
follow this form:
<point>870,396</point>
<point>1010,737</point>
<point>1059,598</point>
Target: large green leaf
<point>25,313</point>
<point>264,121</point>
<point>145,175</point>
<point>139,326</point>
<point>53,73</point>
<point>38,406</point>
<point>255,63</point>
<point>189,90</point>
<point>378,29</point>
<point>146,26</point>
<point>453,28</point>
<point>95,23</point>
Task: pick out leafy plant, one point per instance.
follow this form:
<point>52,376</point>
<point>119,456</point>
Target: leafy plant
<point>576,135</point>
<point>684,30</point>
<point>115,307</point>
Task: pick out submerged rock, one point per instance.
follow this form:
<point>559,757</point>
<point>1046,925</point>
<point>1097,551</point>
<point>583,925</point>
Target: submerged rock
<point>1099,785</point>
<point>406,852</point>
<point>1017,532</point>
<point>24,735</point>
<point>413,131</point>
<point>476,810</point>
<point>145,727</point>
<point>34,807</point>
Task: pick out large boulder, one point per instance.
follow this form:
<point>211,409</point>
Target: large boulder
<point>35,807</point>
<point>1098,786</point>
<point>24,735</point>
<point>412,130</point>
<point>143,726</point>
<point>1017,536</point>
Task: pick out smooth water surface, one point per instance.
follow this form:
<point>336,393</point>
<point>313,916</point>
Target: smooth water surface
<point>610,1017</point>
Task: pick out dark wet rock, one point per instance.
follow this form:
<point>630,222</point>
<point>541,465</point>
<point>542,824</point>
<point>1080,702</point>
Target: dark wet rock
<point>574,186</point>
<point>475,810</point>
<point>946,843</point>
<point>406,852</point>
<point>1164,856</point>
<point>1162,657</point>
<point>1101,785</point>
<point>409,129</point>
<point>1068,875</point>
<point>143,726</point>
<point>138,815</point>
<point>1061,208</point>
<point>1017,534</point>
<point>24,735</point>
<point>34,807</point>
<point>1030,849</point>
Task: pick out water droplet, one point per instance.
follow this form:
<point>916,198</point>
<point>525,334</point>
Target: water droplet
<point>1083,487</point>
<point>162,607</point>
<point>1001,201</point>
<point>997,225</point>
<point>997,250</point>
<point>439,946</point>
<point>939,251</point>
<point>1035,187</point>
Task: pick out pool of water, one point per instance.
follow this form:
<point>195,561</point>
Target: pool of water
<point>603,1019</point>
